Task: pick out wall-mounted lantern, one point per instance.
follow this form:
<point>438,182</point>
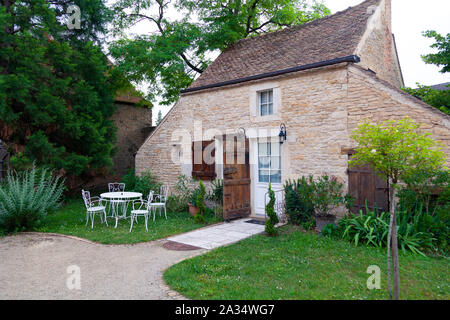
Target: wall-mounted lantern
<point>283,133</point>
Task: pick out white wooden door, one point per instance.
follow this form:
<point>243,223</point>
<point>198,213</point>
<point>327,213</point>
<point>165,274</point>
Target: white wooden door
<point>267,170</point>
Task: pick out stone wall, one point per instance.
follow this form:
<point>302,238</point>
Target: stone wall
<point>133,125</point>
<point>377,48</point>
<point>370,98</point>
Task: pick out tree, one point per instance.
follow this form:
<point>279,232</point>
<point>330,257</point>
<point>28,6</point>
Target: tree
<point>56,89</point>
<point>170,58</point>
<point>442,57</point>
<point>396,150</point>
<point>158,121</point>
<point>439,99</point>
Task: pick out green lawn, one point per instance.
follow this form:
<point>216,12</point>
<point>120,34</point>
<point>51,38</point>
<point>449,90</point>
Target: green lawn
<point>300,265</point>
<point>71,220</point>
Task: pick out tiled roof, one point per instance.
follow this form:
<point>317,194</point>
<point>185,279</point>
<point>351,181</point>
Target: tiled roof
<point>442,86</point>
<point>332,37</point>
<point>128,98</point>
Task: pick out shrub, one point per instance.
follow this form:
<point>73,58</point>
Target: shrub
<point>298,200</point>
<point>143,183</point>
<point>178,202</point>
<point>330,230</point>
<point>27,197</point>
<point>428,194</point>
<point>200,204</point>
<point>327,195</point>
<point>271,214</point>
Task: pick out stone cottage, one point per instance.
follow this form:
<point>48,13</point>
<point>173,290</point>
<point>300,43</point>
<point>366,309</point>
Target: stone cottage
<point>291,99</point>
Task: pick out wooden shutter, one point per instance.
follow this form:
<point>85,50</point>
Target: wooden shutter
<point>367,189</point>
<point>203,170</point>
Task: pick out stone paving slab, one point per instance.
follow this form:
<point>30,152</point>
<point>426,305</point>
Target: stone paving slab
<point>219,235</point>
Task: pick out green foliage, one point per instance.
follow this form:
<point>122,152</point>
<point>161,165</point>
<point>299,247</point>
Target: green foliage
<point>439,99</point>
<point>56,98</point>
<point>442,44</point>
<point>200,204</point>
<point>143,183</point>
<point>327,195</point>
<point>329,230</point>
<point>298,200</point>
<point>307,197</point>
<point>271,214</point>
<point>430,193</point>
<point>172,57</point>
<point>396,149</point>
<point>216,193</point>
<point>184,189</point>
<point>372,229</point>
<point>27,197</point>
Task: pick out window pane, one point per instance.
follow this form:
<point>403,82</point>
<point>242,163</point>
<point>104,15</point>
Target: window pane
<point>270,96</point>
<point>270,108</point>
<point>275,163</point>
<point>264,97</point>
<point>264,109</point>
<point>264,175</point>
<point>275,176</point>
<point>275,148</point>
<point>262,149</point>
<point>264,162</point>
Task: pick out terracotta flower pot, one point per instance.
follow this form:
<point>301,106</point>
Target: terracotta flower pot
<point>322,221</point>
<point>192,210</point>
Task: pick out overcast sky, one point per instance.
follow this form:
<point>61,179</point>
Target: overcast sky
<point>409,19</point>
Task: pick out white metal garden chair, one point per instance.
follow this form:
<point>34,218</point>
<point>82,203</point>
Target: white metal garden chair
<point>93,205</point>
<point>115,203</point>
<point>160,201</point>
<point>143,210</point>
<point>116,187</point>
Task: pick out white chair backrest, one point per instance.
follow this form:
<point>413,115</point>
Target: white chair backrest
<point>164,192</point>
<point>116,187</point>
<point>150,199</point>
<point>86,198</point>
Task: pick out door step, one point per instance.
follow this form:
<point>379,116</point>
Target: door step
<point>260,222</point>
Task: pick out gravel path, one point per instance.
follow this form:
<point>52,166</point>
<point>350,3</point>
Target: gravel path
<point>34,266</point>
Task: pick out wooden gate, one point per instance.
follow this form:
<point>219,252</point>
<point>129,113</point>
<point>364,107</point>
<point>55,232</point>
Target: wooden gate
<point>236,177</point>
<point>367,189</point>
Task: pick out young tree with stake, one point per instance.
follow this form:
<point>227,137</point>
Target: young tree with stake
<point>396,149</point>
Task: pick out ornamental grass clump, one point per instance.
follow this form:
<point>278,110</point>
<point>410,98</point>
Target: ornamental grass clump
<point>27,197</point>
<point>271,214</point>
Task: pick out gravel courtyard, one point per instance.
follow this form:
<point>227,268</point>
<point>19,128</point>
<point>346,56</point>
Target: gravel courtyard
<point>34,266</point>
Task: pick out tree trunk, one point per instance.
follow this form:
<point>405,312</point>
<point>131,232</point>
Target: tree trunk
<point>395,264</point>
<point>389,257</point>
<point>393,237</point>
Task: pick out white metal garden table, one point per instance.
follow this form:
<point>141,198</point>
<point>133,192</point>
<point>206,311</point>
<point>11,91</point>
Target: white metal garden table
<point>119,202</point>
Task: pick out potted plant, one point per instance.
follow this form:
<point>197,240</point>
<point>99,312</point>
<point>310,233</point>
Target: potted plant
<point>327,196</point>
<point>192,203</point>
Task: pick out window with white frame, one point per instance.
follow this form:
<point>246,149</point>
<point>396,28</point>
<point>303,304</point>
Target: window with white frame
<point>269,162</point>
<point>265,102</point>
